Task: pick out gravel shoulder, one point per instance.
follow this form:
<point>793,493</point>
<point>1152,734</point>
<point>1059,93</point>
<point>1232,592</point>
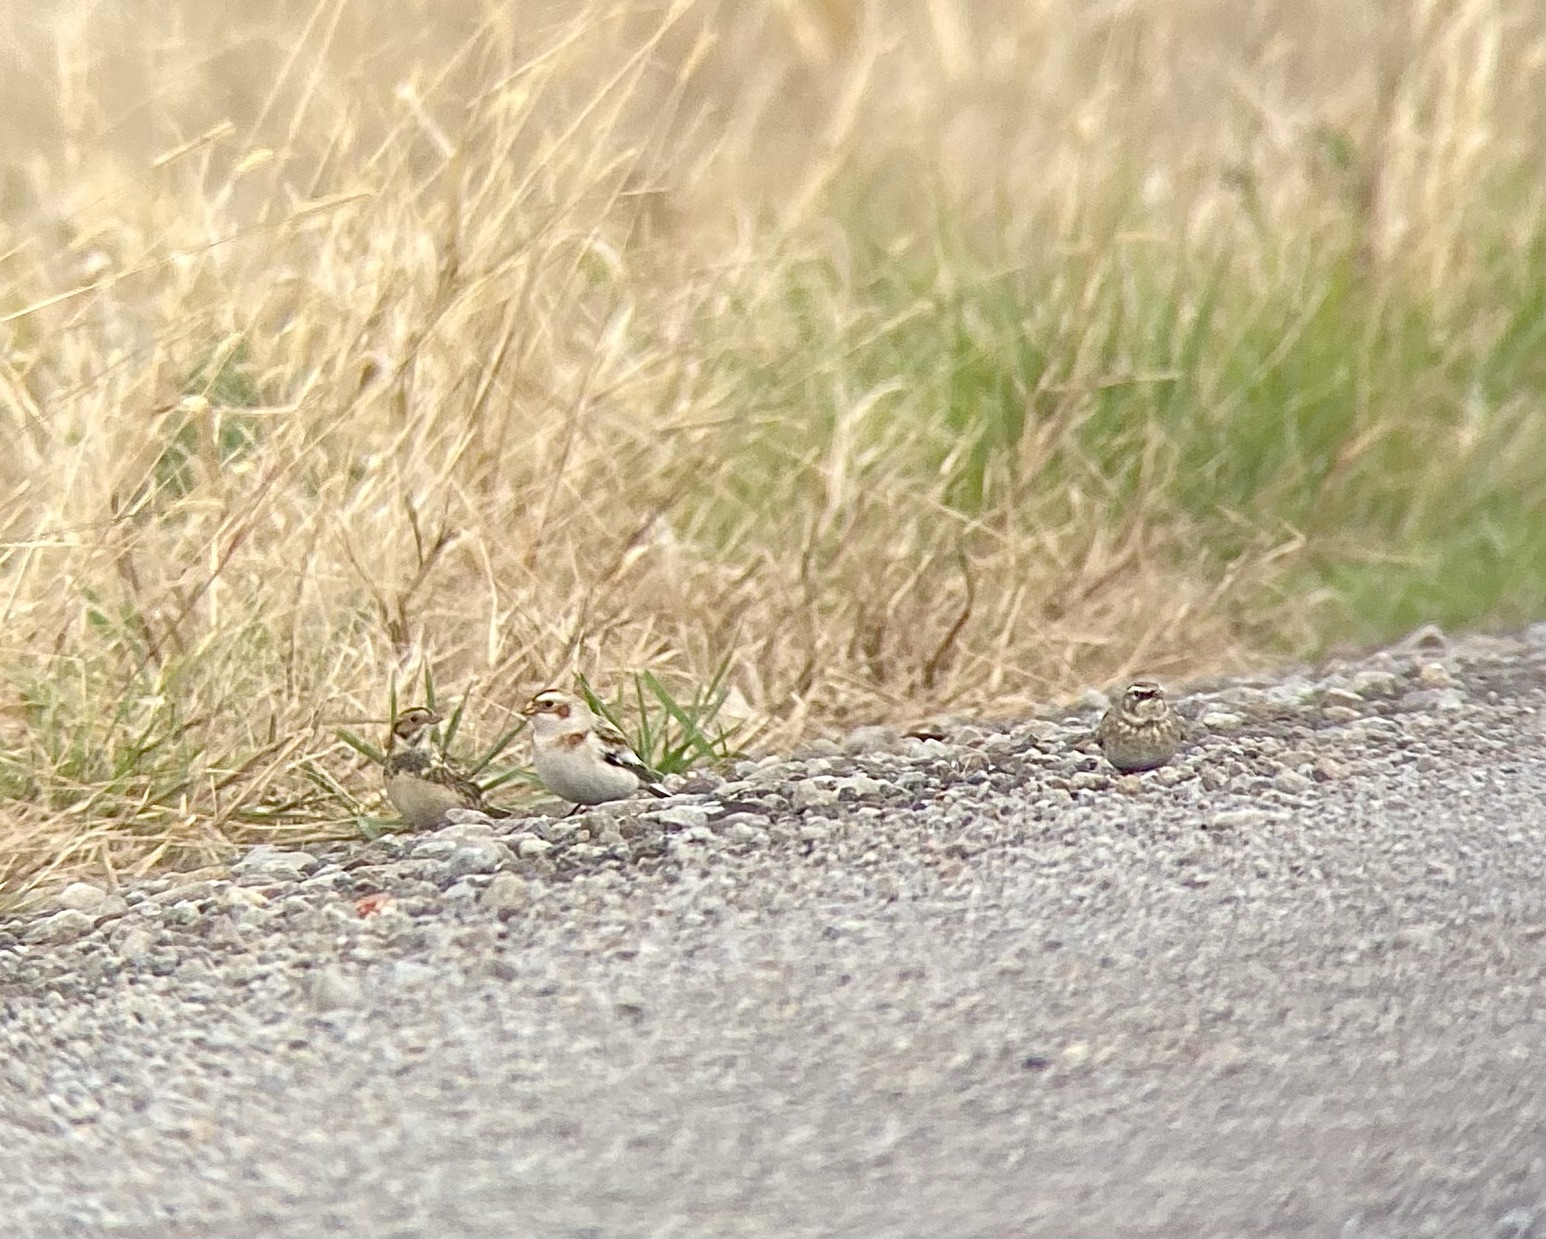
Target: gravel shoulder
<point>1293,983</point>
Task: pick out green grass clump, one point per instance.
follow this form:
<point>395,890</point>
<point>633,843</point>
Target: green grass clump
<point>674,733</point>
<point>1390,451</point>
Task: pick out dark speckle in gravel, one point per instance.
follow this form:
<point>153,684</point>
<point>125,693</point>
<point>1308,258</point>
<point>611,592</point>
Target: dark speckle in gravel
<point>959,982</point>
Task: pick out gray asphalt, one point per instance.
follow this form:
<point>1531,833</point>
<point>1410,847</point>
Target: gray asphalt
<point>1294,984</point>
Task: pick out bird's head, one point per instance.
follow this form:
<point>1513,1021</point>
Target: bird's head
<point>1143,699</point>
<point>412,723</point>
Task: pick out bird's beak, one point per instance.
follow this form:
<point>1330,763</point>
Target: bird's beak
<point>528,709</point>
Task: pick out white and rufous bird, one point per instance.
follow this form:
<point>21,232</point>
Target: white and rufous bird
<point>422,786</point>
<point>1141,731</point>
<point>580,757</point>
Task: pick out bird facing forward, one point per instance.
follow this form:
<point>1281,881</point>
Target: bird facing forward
<point>580,757</point>
<point>1141,731</point>
<point>422,786</point>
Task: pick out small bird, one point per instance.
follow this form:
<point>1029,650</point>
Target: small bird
<point>422,786</point>
<point>1141,731</point>
<point>581,757</point>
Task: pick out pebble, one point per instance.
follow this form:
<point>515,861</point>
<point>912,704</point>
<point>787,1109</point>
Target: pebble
<point>70,923</point>
<point>1419,937</point>
<point>190,892</point>
<point>269,862</point>
<point>1376,683</point>
<point>508,892</point>
<point>1292,781</point>
<point>809,795</point>
<point>482,856</point>
<point>467,818</point>
<point>333,989</point>
<point>1443,699</point>
<point>681,817</point>
<point>1518,1223</point>
<point>1436,675</point>
<point>1236,819</point>
<point>1329,769</point>
<point>744,833</point>
<point>183,912</point>
<point>410,974</point>
<point>756,820</point>
<point>862,787</point>
<point>871,739</point>
<point>81,897</point>
<point>135,944</point>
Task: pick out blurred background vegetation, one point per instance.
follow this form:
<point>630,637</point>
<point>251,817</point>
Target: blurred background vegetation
<point>863,360</point>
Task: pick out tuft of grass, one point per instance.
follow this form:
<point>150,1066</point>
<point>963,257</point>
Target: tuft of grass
<point>674,733</point>
<point>141,755</point>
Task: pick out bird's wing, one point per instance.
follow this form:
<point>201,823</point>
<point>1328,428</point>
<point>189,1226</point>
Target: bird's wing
<point>457,782</point>
<point>622,756</point>
<point>406,761</point>
<point>610,736</point>
<point>616,751</point>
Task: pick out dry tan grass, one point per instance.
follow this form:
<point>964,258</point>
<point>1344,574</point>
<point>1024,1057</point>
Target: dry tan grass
<point>488,292</point>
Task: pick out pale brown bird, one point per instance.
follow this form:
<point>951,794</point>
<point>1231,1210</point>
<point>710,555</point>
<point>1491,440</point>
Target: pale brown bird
<point>422,786</point>
<point>1141,731</point>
